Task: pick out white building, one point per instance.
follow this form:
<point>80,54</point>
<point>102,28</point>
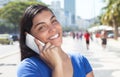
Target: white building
<point>82,23</point>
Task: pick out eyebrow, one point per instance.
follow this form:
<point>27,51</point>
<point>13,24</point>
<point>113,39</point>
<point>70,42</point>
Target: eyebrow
<point>44,22</point>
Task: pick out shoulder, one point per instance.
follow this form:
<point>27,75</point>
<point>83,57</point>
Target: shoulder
<point>32,61</point>
<point>75,54</point>
<point>77,57</point>
<point>28,66</point>
<point>80,63</point>
<point>33,67</point>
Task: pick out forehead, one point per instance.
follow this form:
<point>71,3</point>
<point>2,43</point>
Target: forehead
<point>43,16</point>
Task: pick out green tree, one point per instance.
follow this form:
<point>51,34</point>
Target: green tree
<point>6,27</point>
<point>12,12</point>
<point>111,15</point>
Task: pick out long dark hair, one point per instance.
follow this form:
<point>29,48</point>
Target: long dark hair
<point>25,26</point>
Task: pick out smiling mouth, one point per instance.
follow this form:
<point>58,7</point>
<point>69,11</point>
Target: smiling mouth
<point>55,36</point>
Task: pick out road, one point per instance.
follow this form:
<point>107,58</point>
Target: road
<point>105,62</point>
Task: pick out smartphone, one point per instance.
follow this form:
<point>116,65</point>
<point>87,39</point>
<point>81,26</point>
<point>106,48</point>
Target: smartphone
<point>31,43</point>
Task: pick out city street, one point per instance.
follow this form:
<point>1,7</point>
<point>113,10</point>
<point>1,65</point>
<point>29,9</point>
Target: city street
<point>105,62</point>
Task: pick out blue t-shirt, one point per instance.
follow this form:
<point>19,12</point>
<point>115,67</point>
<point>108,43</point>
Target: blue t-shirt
<point>35,67</point>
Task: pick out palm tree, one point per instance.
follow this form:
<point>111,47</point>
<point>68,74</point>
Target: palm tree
<point>111,16</point>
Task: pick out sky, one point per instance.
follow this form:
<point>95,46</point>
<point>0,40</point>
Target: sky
<point>86,9</point>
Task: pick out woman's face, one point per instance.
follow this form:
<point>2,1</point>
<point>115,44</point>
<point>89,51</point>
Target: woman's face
<point>46,28</point>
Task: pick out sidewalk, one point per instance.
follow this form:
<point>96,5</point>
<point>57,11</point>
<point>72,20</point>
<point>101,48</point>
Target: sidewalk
<point>8,65</point>
<point>6,54</point>
<point>111,41</point>
<point>114,42</point>
<point>105,63</point>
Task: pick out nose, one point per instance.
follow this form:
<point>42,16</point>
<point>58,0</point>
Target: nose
<point>52,29</point>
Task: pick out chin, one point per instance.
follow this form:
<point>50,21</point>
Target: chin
<point>58,44</point>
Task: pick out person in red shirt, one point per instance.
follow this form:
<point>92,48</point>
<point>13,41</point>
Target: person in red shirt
<point>87,38</point>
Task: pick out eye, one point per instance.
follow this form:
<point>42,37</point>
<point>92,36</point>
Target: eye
<point>42,28</point>
<point>55,21</point>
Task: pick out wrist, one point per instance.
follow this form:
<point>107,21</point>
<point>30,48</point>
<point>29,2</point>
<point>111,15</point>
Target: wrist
<point>58,66</point>
<point>57,71</point>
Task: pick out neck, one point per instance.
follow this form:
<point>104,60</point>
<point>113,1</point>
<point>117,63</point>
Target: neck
<point>64,55</point>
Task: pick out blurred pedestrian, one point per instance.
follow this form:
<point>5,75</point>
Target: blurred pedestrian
<point>73,34</point>
<point>87,39</point>
<point>77,35</point>
<point>80,35</point>
<point>97,36</point>
<point>104,38</point>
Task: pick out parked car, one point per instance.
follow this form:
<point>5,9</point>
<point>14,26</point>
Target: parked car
<point>15,37</point>
<point>111,35</point>
<point>5,39</point>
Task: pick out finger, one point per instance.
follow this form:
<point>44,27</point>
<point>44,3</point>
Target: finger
<point>47,46</point>
<point>52,46</point>
<point>38,44</point>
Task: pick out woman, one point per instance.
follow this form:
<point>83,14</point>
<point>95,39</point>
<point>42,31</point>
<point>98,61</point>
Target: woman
<point>40,22</point>
<point>104,38</point>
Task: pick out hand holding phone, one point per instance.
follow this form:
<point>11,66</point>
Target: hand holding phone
<point>30,42</point>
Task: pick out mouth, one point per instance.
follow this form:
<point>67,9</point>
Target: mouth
<point>54,36</point>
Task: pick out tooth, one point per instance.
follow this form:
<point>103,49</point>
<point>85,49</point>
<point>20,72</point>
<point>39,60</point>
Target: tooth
<point>55,36</point>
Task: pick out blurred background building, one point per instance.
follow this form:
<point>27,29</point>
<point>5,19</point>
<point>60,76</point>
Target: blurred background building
<point>58,11</point>
<point>70,12</point>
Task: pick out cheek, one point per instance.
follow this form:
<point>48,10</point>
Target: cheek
<point>42,36</point>
<point>59,28</point>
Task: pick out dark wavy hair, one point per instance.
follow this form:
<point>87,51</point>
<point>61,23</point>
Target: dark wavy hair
<point>26,25</point>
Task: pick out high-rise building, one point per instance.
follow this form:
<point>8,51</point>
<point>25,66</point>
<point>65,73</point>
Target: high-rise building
<point>70,12</point>
<point>58,11</point>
